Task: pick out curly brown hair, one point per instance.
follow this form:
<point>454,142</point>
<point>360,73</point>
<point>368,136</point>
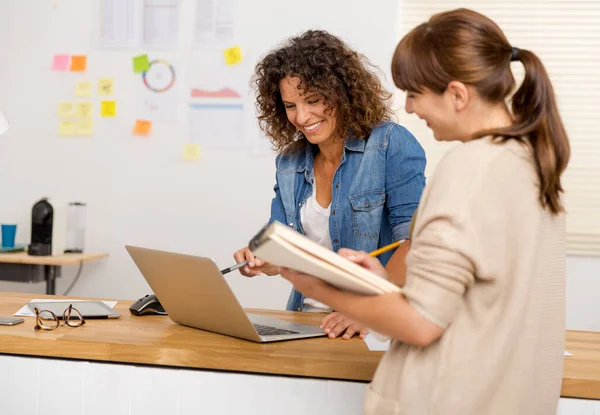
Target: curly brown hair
<point>328,67</point>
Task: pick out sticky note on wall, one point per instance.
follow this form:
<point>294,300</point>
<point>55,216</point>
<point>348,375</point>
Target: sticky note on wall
<point>83,89</point>
<point>84,127</point>
<point>78,63</point>
<point>140,63</point>
<point>191,152</point>
<point>108,108</point>
<point>60,63</point>
<point>105,86</point>
<point>84,110</point>
<point>233,55</point>
<point>65,109</point>
<point>142,127</point>
<point>66,128</point>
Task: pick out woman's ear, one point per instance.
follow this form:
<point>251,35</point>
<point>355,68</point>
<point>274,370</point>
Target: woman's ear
<point>458,93</point>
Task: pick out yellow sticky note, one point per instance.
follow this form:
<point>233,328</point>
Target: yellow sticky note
<point>84,110</point>
<point>233,55</point>
<point>78,63</point>
<point>65,109</point>
<point>108,108</point>
<point>142,127</point>
<point>191,152</point>
<point>105,86</point>
<point>85,127</point>
<point>66,128</point>
<point>83,89</point>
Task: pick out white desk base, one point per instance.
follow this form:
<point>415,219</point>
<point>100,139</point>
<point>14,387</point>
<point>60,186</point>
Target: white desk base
<point>43,386</point>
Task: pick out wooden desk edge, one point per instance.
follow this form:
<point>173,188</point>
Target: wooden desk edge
<point>57,260</point>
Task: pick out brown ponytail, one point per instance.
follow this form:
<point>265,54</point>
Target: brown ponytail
<point>536,116</point>
<point>467,46</point>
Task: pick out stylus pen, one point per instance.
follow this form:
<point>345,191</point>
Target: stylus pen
<point>234,267</point>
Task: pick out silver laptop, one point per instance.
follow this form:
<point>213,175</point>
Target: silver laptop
<point>194,293</point>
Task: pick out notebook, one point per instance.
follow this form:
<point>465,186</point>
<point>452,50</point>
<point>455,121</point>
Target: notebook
<point>282,246</point>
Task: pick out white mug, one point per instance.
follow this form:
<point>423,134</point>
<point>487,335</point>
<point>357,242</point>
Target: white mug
<point>4,124</point>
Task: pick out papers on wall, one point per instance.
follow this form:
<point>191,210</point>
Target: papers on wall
<point>214,22</point>
<point>217,123</point>
<point>156,92</point>
<point>161,23</point>
<point>115,23</point>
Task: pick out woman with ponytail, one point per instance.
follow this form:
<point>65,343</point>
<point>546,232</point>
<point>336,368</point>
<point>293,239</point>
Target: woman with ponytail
<point>479,326</point>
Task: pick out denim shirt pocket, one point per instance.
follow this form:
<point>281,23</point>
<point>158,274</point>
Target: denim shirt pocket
<point>367,210</point>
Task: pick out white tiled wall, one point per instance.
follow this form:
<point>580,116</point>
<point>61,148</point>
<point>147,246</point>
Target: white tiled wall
<point>34,386</point>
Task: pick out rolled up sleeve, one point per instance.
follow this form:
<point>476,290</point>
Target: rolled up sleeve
<point>439,273</point>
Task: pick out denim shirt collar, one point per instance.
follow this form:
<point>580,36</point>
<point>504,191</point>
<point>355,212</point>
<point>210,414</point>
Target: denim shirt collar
<point>352,144</point>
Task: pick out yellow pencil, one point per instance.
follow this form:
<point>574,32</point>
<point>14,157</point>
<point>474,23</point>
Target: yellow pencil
<point>387,248</point>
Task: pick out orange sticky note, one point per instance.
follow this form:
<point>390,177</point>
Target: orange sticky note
<point>142,127</point>
<point>78,63</point>
<point>191,152</point>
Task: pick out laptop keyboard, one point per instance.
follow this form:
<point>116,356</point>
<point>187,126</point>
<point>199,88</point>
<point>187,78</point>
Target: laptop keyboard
<point>271,331</point>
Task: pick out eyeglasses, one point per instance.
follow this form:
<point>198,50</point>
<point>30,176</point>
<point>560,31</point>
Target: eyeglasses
<point>47,320</point>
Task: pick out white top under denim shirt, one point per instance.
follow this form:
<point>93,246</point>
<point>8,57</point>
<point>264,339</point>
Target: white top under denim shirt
<point>315,221</point>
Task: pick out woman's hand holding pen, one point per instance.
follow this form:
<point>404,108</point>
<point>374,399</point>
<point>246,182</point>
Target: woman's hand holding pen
<point>255,266</point>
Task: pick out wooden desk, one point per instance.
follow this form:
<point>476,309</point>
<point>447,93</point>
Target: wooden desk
<point>20,266</point>
<point>158,342</point>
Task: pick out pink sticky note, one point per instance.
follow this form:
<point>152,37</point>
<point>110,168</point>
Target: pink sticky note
<point>60,63</point>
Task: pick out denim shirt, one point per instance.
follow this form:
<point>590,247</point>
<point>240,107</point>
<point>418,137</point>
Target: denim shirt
<point>376,189</point>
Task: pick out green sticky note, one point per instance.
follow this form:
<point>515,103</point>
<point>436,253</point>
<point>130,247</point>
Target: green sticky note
<point>140,63</point>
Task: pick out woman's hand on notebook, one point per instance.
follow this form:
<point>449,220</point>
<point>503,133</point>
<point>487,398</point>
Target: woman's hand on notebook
<point>256,266</point>
<point>337,324</point>
<point>364,260</point>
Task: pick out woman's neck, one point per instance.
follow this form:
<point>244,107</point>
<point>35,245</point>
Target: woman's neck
<point>487,117</point>
<point>331,152</point>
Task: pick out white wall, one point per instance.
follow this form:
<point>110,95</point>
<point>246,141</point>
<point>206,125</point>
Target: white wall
<point>138,190</point>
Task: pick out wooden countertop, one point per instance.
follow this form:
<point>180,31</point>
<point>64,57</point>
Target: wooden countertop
<point>59,260</point>
<point>155,340</point>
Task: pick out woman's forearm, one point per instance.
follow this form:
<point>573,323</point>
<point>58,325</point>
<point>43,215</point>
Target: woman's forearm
<point>387,314</point>
<point>396,266</point>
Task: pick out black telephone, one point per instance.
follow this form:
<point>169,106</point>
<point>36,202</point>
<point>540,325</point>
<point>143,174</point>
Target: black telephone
<point>148,305</point>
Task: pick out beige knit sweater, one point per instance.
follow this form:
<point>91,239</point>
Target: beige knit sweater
<point>487,263</point>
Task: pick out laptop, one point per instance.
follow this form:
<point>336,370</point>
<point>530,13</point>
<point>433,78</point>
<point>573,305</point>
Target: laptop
<point>194,293</point>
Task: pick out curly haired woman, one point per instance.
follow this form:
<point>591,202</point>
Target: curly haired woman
<point>347,176</point>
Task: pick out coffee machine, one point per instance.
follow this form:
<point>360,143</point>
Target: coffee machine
<point>48,228</point>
